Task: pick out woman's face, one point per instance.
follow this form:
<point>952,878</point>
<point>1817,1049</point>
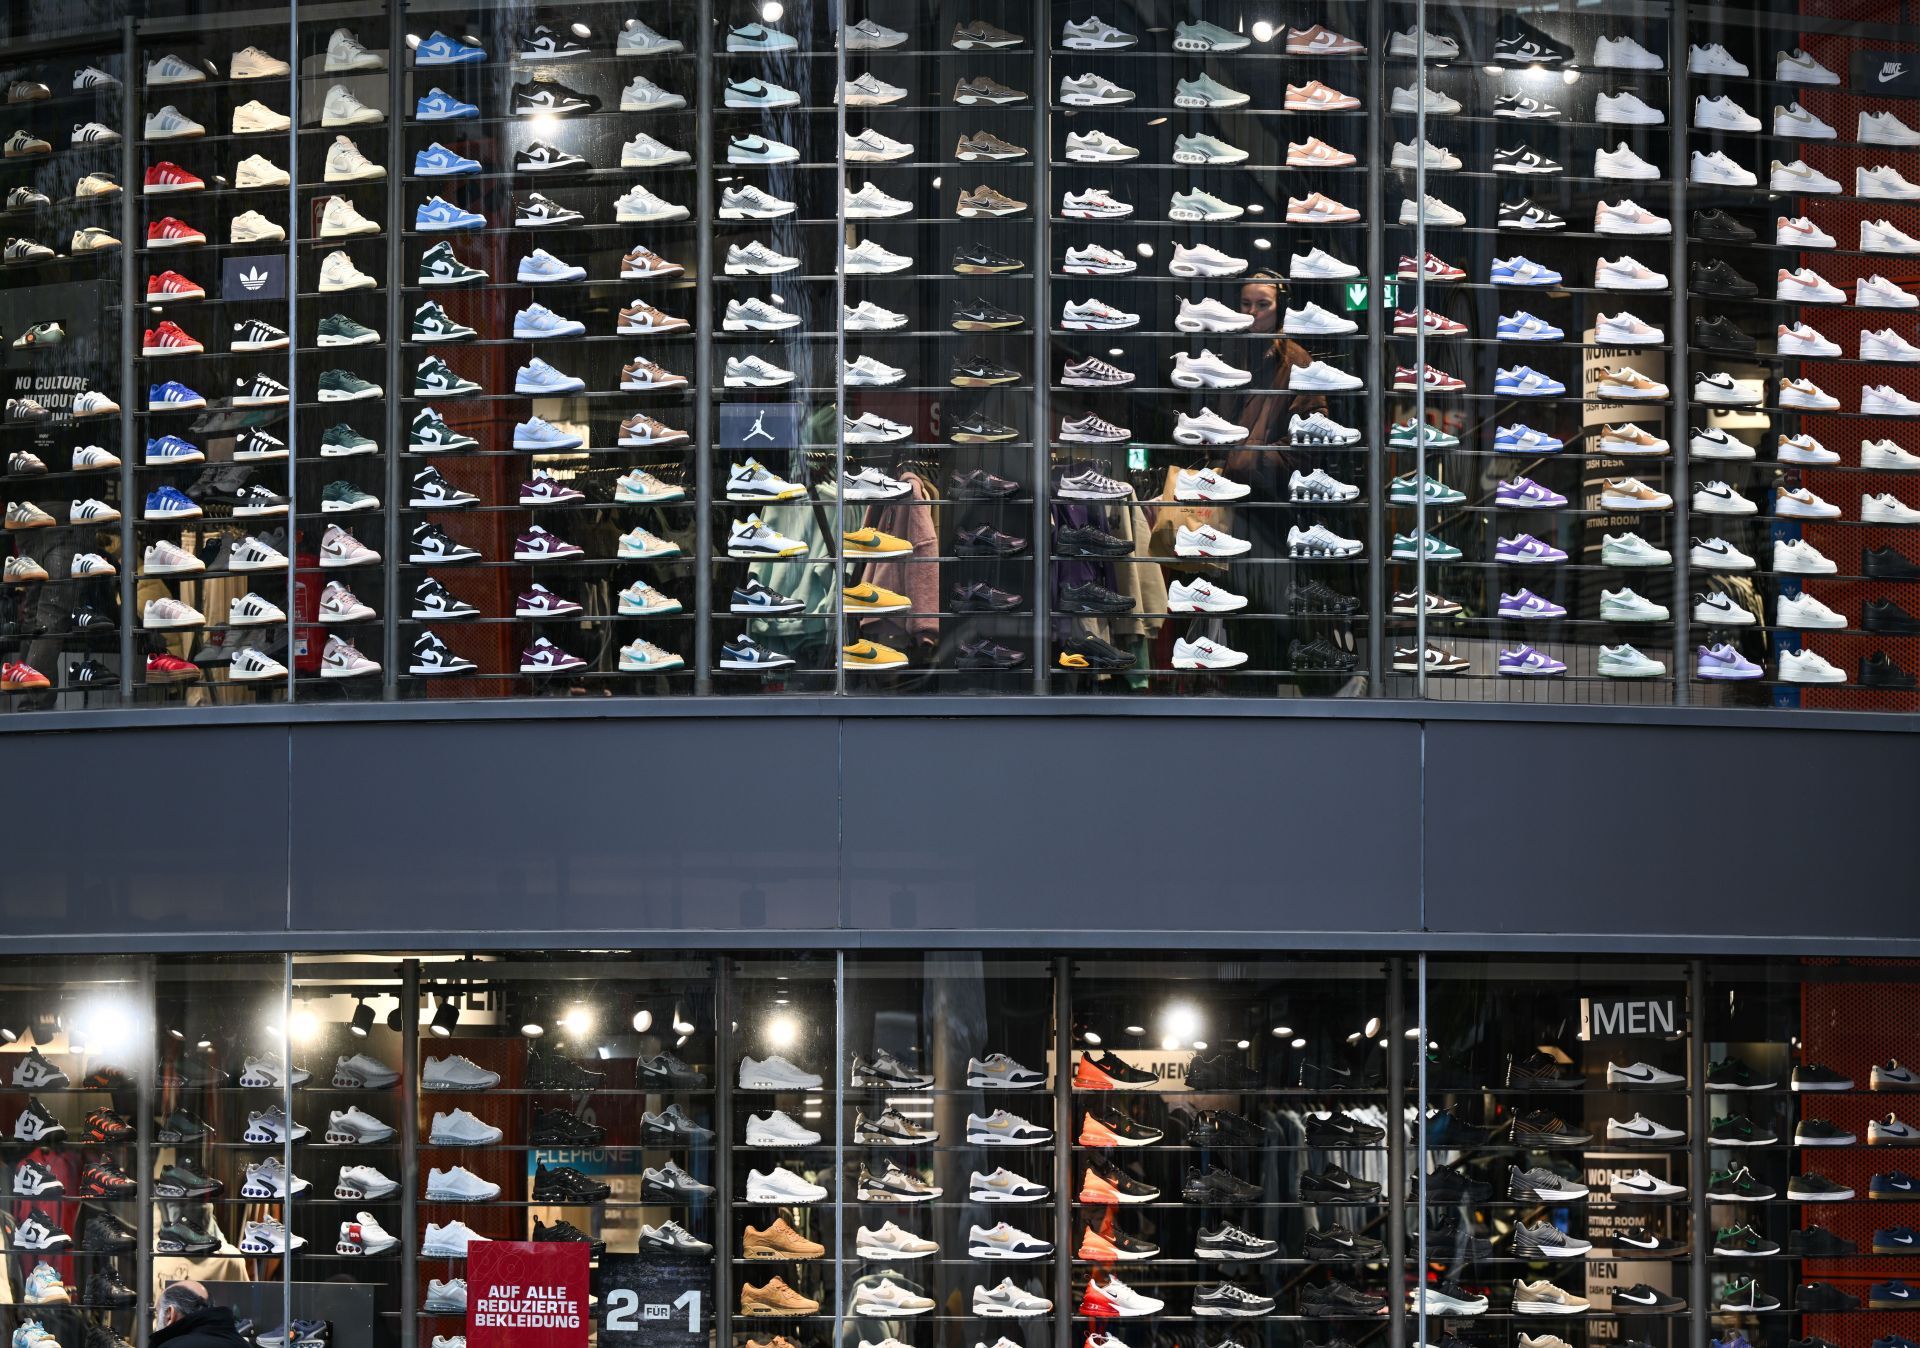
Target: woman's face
<point>1263,302</point>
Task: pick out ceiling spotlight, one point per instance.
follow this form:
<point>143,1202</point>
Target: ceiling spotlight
<point>447,1016</point>
<point>1135,1029</point>
<point>1298,1043</point>
<point>171,1034</point>
<point>362,1022</point>
<point>1091,1038</point>
<point>1282,1031</point>
<point>1373,1027</point>
<point>396,1018</point>
<point>577,1022</point>
<point>642,1020</point>
<point>1244,1045</point>
<point>533,1029</point>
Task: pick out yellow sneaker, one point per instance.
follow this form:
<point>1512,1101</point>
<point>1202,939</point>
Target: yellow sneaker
<point>870,542</point>
<point>865,654</point>
<point>867,597</point>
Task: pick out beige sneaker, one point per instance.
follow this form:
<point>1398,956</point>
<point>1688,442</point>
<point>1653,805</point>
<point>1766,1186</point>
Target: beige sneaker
<point>258,171</point>
<point>643,264</point>
<point>1540,1298</point>
<point>778,1241</point>
<point>776,1298</point>
<point>255,118</point>
<point>641,319</point>
<point>1630,493</point>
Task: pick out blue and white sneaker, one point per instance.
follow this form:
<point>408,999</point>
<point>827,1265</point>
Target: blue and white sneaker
<point>537,321</point>
<point>172,396</point>
<point>540,265</point>
<point>167,503</point>
<point>442,216</point>
<point>1523,381</point>
<point>535,433</point>
<point>1518,271</point>
<point>542,380</point>
<point>1521,438</point>
<point>437,105</point>
<point>745,653</point>
<point>1524,327</point>
<point>441,50</point>
<point>172,449</point>
<point>437,161</point>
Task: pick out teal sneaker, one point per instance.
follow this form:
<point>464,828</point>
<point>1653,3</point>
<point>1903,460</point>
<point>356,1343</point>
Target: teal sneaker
<point>343,442</point>
<point>343,496</point>
<point>339,330</point>
<point>1403,491</point>
<point>1407,548</point>
<point>344,386</point>
<point>1409,434</point>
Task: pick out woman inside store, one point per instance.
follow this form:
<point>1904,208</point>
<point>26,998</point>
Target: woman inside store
<point>1265,410</point>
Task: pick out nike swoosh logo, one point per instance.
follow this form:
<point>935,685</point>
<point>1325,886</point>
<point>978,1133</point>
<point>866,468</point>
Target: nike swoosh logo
<point>1646,1300</point>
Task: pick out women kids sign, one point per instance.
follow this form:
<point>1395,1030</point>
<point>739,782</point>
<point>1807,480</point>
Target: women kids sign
<point>523,1295</point>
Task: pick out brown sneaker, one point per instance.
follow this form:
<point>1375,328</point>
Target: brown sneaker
<point>644,376</point>
<point>643,432</point>
<point>984,201</point>
<point>986,145</point>
<point>980,89</point>
<point>980,33</point>
<point>776,1298</point>
<point>779,1241</point>
<point>777,1341</point>
<point>641,319</point>
<point>643,264</point>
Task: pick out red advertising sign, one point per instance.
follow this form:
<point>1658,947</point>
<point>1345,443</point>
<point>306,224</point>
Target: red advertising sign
<point>526,1295</point>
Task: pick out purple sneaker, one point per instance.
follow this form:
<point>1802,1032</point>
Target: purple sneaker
<point>1724,662</point>
<point>543,657</point>
<point>537,601</point>
<point>537,545</point>
<point>1529,663</point>
<point>1527,604</point>
<point>1523,493</point>
<point>1526,548</point>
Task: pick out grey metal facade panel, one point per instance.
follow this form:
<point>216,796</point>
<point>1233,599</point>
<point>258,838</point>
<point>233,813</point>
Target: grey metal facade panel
<point>1723,834</point>
<point>670,825</point>
<point>145,832</point>
<point>1057,823</point>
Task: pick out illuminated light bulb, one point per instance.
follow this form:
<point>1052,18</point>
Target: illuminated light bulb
<point>783,1032</point>
<point>1131,1029</point>
<point>1298,1043</point>
<point>577,1022</point>
<point>772,11</point>
<point>1263,31</point>
<point>642,1020</point>
<point>1091,1038</point>
<point>1169,1042</point>
<point>533,1029</point>
<point>1373,1027</point>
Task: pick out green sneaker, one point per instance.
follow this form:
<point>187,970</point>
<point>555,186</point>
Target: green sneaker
<point>344,386</point>
<point>343,441</point>
<point>342,496</point>
<point>1409,433</point>
<point>339,330</point>
<point>1403,492</point>
<point>1406,548</point>
<point>431,324</point>
<point>434,378</point>
<point>431,432</point>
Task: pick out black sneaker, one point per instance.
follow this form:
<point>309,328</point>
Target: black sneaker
<point>564,1184</point>
<point>1520,159</point>
<point>979,372</point>
<point>1525,108</point>
<point>433,600</point>
<point>976,429</point>
<point>1450,1184</point>
<point>90,673</point>
<point>978,315</point>
<point>184,1179</point>
<point>980,485</point>
<point>254,499</point>
<point>1130,1187</point>
<point>1337,1298</point>
<point>1637,1242</point>
<point>103,1289</point>
<point>88,619</point>
<point>1716,226</point>
<point>1092,653</point>
<point>1539,1072</point>
<point>1452,1243</point>
<point>103,1233</point>
<point>1717,278</point>
<point>1446,1129</point>
<point>1816,1242</point>
<point>1887,563</point>
<point>981,597</point>
<point>181,1236</point>
<point>1216,1185</point>
<point>1739,1131</point>
<point>1720,334</point>
<point>756,599</point>
<point>983,540</point>
<point>1313,597</point>
<point>1641,1299</point>
<point>183,1125</point>
<point>1226,1298</point>
<point>1821,1133</point>
<point>1521,44</point>
<point>663,1069</point>
<point>1730,1074</point>
<point>1224,1128</point>
<point>976,259</point>
<point>1221,1072</point>
<point>1814,1076</point>
<point>671,1125</point>
<point>1876,671</point>
<point>1824,1296</point>
<point>1089,597</point>
<point>540,157</point>
<point>1737,1182</point>
<point>100,1336</point>
<point>553,1071</point>
<point>1319,657</point>
<point>1523,214</point>
<point>1336,1243</point>
<point>1341,1130</point>
<point>542,42</point>
<point>1813,1187</point>
<point>538,211</point>
<point>1544,1128</point>
<point>1087,541</point>
<point>1228,1241</point>
<point>1337,1185</point>
<point>562,1128</point>
<point>567,1233</point>
<point>1883,615</point>
<point>1743,1241</point>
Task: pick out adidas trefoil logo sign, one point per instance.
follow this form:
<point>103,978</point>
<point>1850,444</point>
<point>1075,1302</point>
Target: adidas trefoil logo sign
<point>262,276</point>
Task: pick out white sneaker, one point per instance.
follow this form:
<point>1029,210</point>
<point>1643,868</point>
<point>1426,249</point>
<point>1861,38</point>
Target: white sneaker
<point>1886,454</point>
<point>259,171</point>
<point>254,118</point>
<point>1803,610</point>
<point>870,203</point>
<point>1312,320</point>
<point>1803,448</point>
<point>775,1073</point>
<point>1881,400</point>
<point>1624,53</point>
<point>1319,541</point>
<point>1806,286</point>
<point>1410,98</point>
<point>363,1182</point>
<point>455,1073</point>
<point>1718,170</point>
<point>1886,508</point>
<point>1884,128</point>
<point>339,220</point>
<point>1794,122</point>
<point>1796,67</point>
<point>1800,177</point>
<point>446,1242</point>
<point>1622,162</point>
<point>1722,114</point>
<point>250,63</point>
<point>459,1185</point>
<point>1717,610</point>
<point>1883,183</point>
<point>1200,596</point>
<point>1712,59</point>
<point>337,272</point>
<point>1210,315</point>
<point>1801,232</point>
<point>1206,541</point>
<point>1881,236</point>
<point>1797,557</point>
<point>364,1235</point>
<point>1319,376</point>
<point>781,1186</point>
<point>777,1129</point>
<point>1207,427</point>
<point>1436,211</point>
<point>1206,370</point>
<point>341,108</point>
<point>354,1125</point>
<point>1716,554</point>
<point>1626,109</point>
<point>1887,345</point>
<point>345,51</point>
<point>1319,265</point>
<point>1798,503</point>
<point>1804,393</point>
<point>461,1129</point>
<point>1717,498</point>
<point>1203,259</point>
<point>1804,666</point>
<point>1877,292</point>
<point>362,1070</point>
<point>884,1299</point>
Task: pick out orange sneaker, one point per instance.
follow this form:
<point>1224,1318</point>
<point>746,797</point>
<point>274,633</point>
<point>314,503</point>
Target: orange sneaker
<point>778,1241</point>
<point>776,1298</point>
<point>1107,1072</point>
<point>1110,1128</point>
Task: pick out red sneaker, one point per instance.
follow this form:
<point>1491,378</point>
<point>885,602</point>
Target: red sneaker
<point>165,668</point>
<point>171,285</point>
<point>171,233</point>
<point>169,339</point>
<point>166,176</point>
<point>18,677</point>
